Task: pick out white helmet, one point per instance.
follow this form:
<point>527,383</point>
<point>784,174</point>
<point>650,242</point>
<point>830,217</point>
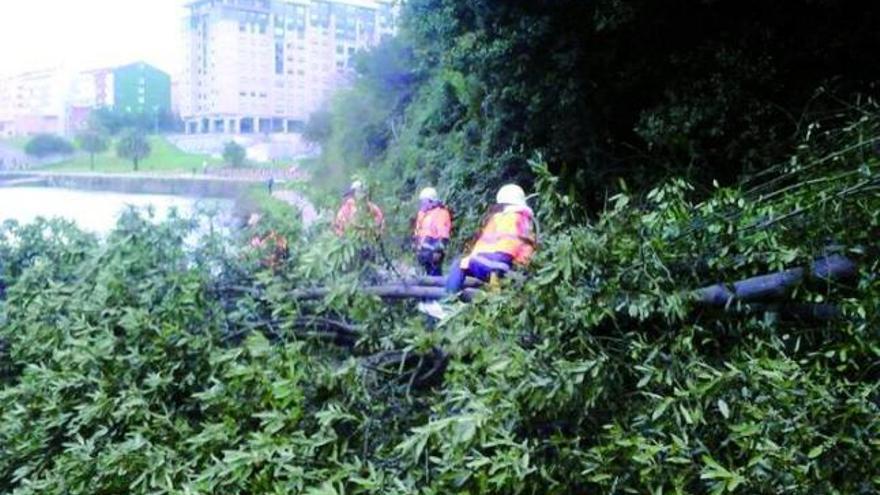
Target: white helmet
<point>428,193</point>
<point>356,188</point>
<point>511,194</point>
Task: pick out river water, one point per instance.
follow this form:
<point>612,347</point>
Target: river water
<point>96,211</point>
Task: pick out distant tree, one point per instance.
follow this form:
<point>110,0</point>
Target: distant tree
<point>133,145</point>
<point>113,121</point>
<point>319,127</point>
<point>43,145</point>
<point>92,142</point>
<point>106,120</point>
<point>234,154</point>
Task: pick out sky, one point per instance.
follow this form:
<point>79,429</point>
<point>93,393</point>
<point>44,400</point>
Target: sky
<point>84,34</point>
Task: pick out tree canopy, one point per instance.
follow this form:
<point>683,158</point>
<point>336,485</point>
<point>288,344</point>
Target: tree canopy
<point>133,145</point>
<point>606,90</point>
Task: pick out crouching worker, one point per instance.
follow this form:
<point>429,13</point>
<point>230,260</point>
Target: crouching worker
<point>507,239</point>
<point>432,231</point>
<point>270,245</point>
<point>347,217</point>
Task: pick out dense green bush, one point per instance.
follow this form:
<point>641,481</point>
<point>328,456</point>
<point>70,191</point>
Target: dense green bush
<point>145,364</point>
<point>605,90</point>
<point>43,145</point>
<point>234,154</point>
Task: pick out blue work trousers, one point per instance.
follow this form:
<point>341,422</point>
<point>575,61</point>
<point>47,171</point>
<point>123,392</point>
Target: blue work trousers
<point>481,266</point>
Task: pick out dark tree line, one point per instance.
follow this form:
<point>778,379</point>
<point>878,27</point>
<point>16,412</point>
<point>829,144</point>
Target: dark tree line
<point>612,89</point>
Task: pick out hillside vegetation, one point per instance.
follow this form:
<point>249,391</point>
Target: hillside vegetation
<point>141,365</point>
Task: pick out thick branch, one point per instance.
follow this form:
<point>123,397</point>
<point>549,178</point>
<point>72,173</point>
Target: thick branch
<point>833,268</point>
<point>391,291</point>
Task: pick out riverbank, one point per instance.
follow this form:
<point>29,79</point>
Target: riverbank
<point>233,186</point>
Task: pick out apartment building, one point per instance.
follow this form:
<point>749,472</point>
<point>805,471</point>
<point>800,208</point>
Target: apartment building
<point>264,66</point>
<point>137,88</point>
<point>57,101</point>
<point>33,103</point>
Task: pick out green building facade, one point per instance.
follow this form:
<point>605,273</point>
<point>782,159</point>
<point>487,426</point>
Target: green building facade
<point>140,88</point>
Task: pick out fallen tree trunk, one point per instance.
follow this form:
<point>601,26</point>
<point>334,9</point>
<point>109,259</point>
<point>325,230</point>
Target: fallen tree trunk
<point>763,288</point>
<point>323,329</point>
<point>786,311</point>
<point>429,281</point>
<point>828,269</point>
<point>391,291</point>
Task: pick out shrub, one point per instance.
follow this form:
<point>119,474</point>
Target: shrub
<point>140,364</point>
<point>43,145</point>
<point>234,154</point>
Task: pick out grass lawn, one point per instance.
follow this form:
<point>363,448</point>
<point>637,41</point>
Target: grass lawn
<point>164,157</point>
<point>15,142</point>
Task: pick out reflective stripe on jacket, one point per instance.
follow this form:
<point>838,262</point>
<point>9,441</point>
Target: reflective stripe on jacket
<point>509,232</point>
<point>435,223</point>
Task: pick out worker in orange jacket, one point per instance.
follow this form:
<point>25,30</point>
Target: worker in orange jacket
<point>507,239</point>
<point>271,244</point>
<point>347,216</point>
<point>432,231</point>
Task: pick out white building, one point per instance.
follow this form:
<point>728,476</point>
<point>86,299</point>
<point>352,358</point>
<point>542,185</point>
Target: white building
<point>265,65</point>
<point>34,102</point>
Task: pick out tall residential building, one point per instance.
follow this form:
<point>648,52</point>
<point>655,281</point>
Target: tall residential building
<point>136,88</point>
<point>59,102</point>
<point>266,65</point>
<point>33,103</point>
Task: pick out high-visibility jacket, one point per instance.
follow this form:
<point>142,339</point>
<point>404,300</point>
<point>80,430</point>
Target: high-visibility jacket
<point>274,247</point>
<point>348,212</point>
<point>510,232</point>
<point>434,223</point>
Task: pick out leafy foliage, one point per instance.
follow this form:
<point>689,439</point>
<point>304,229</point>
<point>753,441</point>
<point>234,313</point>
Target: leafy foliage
<point>43,145</point>
<point>319,127</point>
<point>146,364</point>
<point>234,154</point>
<point>92,142</point>
<point>133,145</point>
<point>113,121</point>
<point>605,90</point>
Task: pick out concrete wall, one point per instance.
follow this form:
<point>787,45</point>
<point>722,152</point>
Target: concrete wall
<point>198,187</point>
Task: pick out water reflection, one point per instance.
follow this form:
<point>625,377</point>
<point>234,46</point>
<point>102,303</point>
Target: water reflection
<point>96,211</point>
